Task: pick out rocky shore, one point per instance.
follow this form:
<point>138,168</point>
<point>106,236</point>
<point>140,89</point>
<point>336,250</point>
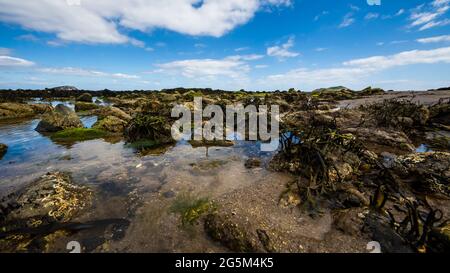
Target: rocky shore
<point>356,173</point>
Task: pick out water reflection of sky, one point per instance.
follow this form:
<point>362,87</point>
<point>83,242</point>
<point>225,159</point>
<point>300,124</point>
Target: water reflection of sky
<point>31,154</point>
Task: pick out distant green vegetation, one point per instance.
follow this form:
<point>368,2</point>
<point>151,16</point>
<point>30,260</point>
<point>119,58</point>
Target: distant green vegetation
<point>78,134</point>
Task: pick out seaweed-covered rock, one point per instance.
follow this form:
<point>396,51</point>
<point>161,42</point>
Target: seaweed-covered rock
<point>104,112</point>
<point>377,138</point>
<point>3,150</point>
<point>440,239</point>
<point>85,106</point>
<point>15,110</point>
<point>147,127</point>
<point>54,195</point>
<point>111,124</point>
<point>425,172</point>
<point>440,113</point>
<point>41,108</point>
<point>29,215</point>
<point>86,97</point>
<point>60,119</point>
<point>397,114</point>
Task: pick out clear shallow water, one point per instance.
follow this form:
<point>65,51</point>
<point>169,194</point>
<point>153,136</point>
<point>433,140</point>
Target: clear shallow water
<point>31,154</point>
<point>123,178</point>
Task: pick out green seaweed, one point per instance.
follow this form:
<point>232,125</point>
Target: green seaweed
<point>78,134</point>
<point>191,208</point>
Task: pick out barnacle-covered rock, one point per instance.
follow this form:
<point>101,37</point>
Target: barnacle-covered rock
<point>426,172</point>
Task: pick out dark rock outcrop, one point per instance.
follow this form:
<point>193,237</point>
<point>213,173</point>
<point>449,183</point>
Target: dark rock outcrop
<point>3,150</point>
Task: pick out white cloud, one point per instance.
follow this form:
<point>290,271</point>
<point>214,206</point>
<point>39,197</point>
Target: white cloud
<point>371,15</point>
<point>283,50</point>
<point>352,71</point>
<point>400,12</point>
<point>198,68</point>
<point>28,37</point>
<point>79,72</point>
<point>5,51</point>
<point>436,39</point>
<point>239,49</point>
<point>428,16</point>
<point>200,45</point>
<point>321,49</point>
<point>347,21</point>
<point>97,21</point>
<point>7,61</point>
<point>250,57</point>
<point>261,66</point>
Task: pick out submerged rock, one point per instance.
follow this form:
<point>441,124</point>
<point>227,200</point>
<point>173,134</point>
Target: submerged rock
<point>111,124</point>
<point>30,217</point>
<point>60,119</point>
<point>253,163</point>
<point>224,230</point>
<point>86,97</point>
<point>3,150</point>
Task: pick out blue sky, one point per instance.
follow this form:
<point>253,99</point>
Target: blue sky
<point>234,44</point>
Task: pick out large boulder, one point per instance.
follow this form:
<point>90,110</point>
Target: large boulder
<point>60,119</point>
<point>111,124</point>
<point>3,150</point>
<point>86,97</point>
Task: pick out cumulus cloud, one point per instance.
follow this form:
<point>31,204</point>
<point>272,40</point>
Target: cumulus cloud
<point>98,21</point>
<point>436,39</point>
<point>8,61</point>
<point>197,68</point>
<point>428,16</point>
<point>354,70</point>
<point>79,72</point>
<point>283,50</point>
